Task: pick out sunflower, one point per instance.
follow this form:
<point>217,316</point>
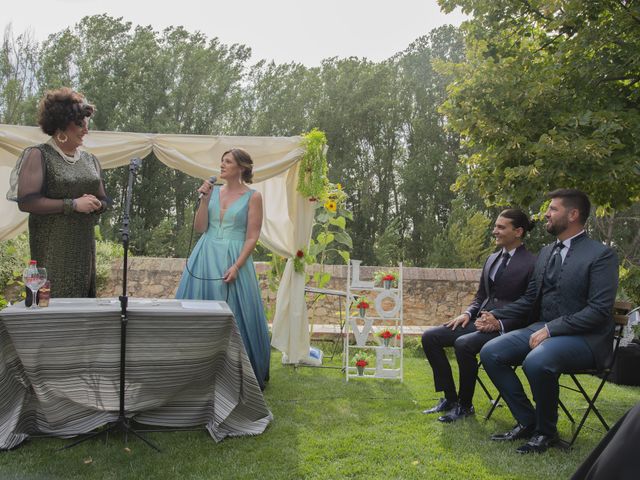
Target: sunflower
<point>331,205</point>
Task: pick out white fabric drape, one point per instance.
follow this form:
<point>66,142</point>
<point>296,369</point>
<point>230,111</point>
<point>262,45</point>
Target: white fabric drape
<point>288,217</point>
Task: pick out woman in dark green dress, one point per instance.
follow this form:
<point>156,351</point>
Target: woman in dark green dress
<point>62,189</point>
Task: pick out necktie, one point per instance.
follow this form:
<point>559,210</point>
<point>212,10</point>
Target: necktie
<point>502,266</point>
<point>553,267</point>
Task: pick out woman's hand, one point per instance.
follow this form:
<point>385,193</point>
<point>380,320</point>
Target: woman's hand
<point>87,204</point>
<point>205,189</point>
<point>231,274</point>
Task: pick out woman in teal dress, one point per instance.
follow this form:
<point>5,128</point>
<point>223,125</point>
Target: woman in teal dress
<point>220,266</point>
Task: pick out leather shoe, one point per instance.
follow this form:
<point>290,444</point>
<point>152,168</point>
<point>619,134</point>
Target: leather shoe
<point>443,405</point>
<point>459,412</point>
<point>538,443</point>
<point>516,433</point>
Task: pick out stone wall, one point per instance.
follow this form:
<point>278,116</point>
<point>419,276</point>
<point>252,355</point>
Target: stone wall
<point>431,295</point>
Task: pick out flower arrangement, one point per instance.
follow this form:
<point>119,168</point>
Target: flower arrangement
<point>361,359</point>
<point>362,306</point>
<point>299,261</point>
<point>386,334</point>
<point>312,177</point>
<point>387,279</point>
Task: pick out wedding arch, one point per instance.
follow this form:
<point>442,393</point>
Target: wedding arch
<point>288,215</point>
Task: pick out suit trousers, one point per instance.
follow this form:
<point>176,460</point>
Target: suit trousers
<point>542,366</point>
<point>467,342</point>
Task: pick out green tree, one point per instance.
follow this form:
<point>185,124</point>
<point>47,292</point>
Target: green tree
<point>548,96</point>
<point>431,165</point>
<point>465,242</point>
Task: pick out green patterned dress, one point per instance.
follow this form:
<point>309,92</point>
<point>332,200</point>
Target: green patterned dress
<point>62,242</point>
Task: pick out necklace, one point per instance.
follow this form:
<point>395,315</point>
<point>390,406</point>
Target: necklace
<point>69,159</point>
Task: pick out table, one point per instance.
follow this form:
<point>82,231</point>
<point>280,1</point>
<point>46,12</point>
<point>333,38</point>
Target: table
<point>186,366</point>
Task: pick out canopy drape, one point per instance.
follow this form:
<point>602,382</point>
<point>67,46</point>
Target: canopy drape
<point>288,216</point>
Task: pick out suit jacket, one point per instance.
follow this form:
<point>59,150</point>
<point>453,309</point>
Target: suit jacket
<point>582,303</point>
<point>510,286</point>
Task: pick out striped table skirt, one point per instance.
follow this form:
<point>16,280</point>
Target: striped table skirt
<point>186,366</point>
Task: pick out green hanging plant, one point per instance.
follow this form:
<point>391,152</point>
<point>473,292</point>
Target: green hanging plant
<point>312,177</point>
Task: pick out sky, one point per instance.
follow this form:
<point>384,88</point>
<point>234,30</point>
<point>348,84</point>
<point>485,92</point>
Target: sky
<point>280,30</point>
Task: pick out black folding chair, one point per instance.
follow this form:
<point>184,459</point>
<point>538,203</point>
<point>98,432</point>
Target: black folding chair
<point>620,312</point>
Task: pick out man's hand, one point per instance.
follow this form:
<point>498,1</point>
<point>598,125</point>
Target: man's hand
<point>459,321</point>
<point>487,322</point>
<point>538,337</point>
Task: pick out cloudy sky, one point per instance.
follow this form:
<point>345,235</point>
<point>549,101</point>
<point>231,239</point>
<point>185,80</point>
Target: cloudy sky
<point>280,30</point>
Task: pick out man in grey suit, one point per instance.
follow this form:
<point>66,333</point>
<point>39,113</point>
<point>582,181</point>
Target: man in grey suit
<point>504,278</point>
<point>571,295</point>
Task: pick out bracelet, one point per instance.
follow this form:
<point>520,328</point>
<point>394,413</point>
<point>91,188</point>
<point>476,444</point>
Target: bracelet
<point>236,267</point>
<point>68,206</point>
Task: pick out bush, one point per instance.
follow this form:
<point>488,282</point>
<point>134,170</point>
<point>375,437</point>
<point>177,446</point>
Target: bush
<point>106,253</point>
<point>14,257</point>
<point>630,282</point>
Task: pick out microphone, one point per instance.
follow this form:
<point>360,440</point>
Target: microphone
<point>212,180</point>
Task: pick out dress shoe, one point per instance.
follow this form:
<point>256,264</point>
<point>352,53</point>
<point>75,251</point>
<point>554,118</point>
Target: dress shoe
<point>458,413</point>
<point>538,443</point>
<point>516,433</point>
<point>443,405</point>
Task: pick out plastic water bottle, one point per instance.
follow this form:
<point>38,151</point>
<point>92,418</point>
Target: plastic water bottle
<point>32,269</point>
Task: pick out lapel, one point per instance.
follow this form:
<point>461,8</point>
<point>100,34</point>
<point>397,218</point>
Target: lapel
<point>485,273</point>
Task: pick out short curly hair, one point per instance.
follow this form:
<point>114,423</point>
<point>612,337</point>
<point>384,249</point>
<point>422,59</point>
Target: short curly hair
<point>61,107</point>
<point>244,160</point>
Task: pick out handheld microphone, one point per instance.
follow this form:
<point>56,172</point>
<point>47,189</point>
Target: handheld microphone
<point>212,180</point>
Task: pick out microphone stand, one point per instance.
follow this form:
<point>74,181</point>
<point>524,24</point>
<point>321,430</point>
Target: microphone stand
<point>122,423</point>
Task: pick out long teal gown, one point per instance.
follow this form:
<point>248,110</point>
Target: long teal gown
<point>218,249</point>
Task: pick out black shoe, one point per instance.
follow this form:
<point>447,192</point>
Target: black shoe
<point>539,443</point>
<point>458,413</point>
<point>516,433</point>
<point>443,405</point>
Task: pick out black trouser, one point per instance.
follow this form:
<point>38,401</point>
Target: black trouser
<point>467,342</point>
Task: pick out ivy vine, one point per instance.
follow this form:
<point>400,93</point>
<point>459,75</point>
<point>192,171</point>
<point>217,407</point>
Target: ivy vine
<point>312,177</point>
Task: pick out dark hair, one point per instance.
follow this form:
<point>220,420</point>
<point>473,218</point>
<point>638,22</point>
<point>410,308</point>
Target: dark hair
<point>573,198</point>
<point>519,219</point>
<point>61,107</point>
<point>243,159</point>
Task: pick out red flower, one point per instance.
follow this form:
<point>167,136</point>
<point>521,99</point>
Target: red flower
<point>363,304</point>
<point>361,363</point>
<point>299,254</point>
<point>389,277</point>
<point>386,334</point>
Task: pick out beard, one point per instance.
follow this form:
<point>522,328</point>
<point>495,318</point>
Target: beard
<point>558,227</point>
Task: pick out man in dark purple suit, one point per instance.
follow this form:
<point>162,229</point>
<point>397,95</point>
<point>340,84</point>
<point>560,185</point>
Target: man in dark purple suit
<point>504,279</point>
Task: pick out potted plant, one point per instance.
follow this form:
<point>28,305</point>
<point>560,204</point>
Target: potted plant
<point>361,360</point>
<point>386,279</point>
<point>362,307</point>
<point>386,334</point>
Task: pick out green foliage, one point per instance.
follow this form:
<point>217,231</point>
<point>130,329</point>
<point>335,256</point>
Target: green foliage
<point>630,282</point>
<point>14,257</point>
<point>106,253</point>
<point>312,173</point>
<point>547,99</point>
<point>330,243</point>
<point>464,242</point>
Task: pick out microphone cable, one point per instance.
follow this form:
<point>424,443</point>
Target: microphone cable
<point>193,225</point>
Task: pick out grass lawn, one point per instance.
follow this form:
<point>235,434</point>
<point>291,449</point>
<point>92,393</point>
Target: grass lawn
<point>325,428</point>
